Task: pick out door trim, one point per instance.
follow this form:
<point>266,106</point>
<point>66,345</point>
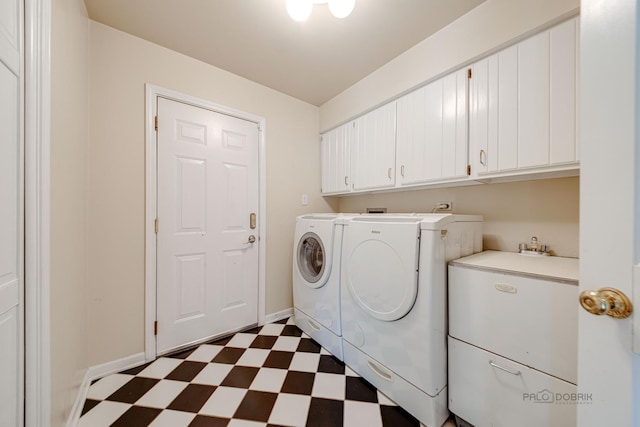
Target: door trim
<point>151,196</point>
<point>37,140</point>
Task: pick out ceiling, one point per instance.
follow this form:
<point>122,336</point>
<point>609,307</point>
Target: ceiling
<point>312,61</point>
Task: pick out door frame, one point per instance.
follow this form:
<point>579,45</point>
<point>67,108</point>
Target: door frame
<point>37,141</point>
<point>151,196</point>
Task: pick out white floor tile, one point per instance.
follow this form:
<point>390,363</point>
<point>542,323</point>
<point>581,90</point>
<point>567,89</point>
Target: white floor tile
<point>223,402</point>
<point>348,372</point>
<point>269,379</point>
<point>286,343</point>
<point>213,374</point>
<point>305,362</point>
<point>449,423</point>
<point>329,386</point>
<point>361,414</point>
<point>253,357</point>
<point>205,353</point>
<point>272,329</point>
<point>384,400</point>
<point>241,340</point>
<point>162,394</point>
<point>103,414</point>
<point>104,387</point>
<point>324,351</point>
<point>160,368</point>
<point>169,418</point>
<point>291,410</point>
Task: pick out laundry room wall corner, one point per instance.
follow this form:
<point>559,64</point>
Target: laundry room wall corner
<point>120,66</point>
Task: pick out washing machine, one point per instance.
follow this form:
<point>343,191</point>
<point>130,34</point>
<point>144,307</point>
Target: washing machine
<point>317,250</point>
<point>393,303</point>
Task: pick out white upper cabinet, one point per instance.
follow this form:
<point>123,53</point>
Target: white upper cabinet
<point>523,106</point>
<point>373,153</point>
<point>335,160</point>
<point>514,117</point>
<point>432,132</point>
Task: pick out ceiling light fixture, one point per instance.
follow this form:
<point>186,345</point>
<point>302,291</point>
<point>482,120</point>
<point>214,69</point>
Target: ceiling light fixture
<point>300,10</point>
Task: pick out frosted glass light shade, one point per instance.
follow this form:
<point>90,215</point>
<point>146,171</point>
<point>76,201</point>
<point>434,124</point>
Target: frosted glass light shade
<point>299,10</point>
<point>341,8</point>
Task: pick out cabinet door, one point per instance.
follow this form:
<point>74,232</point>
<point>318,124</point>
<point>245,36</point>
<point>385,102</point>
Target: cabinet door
<point>533,101</point>
<point>335,159</point>
<point>432,131</point>
<point>563,61</point>
<point>374,149</point>
<point>523,105</point>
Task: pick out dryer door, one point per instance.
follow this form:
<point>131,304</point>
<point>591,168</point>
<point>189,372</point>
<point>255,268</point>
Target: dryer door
<point>312,259</point>
<point>382,266</point>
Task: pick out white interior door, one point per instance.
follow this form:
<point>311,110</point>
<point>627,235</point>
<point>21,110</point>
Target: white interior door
<point>608,370</point>
<point>207,266</point>
<point>11,217</point>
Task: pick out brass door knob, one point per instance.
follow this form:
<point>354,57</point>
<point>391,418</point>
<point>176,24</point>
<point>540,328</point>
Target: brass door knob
<point>607,301</point>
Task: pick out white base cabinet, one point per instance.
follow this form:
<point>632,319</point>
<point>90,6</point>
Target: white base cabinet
<point>512,352</point>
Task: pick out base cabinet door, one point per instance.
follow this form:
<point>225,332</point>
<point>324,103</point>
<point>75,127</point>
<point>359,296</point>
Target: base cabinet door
<point>488,390</point>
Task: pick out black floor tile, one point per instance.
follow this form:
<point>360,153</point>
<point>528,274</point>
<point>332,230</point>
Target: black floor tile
<point>361,390</point>
<point>137,416</point>
<point>229,355</point>
<point>192,398</point>
<point>291,331</point>
<point>240,376</point>
<point>136,370</point>
<point>395,416</point>
<point>264,341</point>
<point>221,341</point>
<point>88,405</point>
<point>307,345</point>
<point>330,365</point>
<point>133,390</point>
<point>325,413</point>
<point>182,354</point>
<point>298,383</point>
<point>186,371</point>
<point>204,421</point>
<point>278,359</point>
<point>256,406</point>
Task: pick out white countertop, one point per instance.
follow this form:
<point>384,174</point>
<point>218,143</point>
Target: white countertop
<point>552,267</point>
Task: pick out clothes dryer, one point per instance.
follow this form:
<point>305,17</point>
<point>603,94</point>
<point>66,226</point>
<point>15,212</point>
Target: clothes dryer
<point>393,303</point>
<point>317,250</point>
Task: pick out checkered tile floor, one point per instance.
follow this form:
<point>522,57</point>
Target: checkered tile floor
<point>269,376</point>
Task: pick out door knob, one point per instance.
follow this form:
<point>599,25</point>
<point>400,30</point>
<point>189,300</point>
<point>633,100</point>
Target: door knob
<point>251,239</point>
<point>607,301</point>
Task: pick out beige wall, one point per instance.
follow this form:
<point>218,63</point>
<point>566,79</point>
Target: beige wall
<point>69,133</point>
<point>513,212</point>
<point>120,65</point>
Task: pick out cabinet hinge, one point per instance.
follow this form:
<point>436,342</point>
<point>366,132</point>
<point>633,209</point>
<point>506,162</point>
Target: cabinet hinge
<point>155,328</point>
<point>468,170</point>
<point>469,73</point>
<point>155,225</point>
<point>156,122</point>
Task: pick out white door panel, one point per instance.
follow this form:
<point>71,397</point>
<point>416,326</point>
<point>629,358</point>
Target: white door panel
<point>207,273</point>
<point>11,217</point>
<point>609,164</point>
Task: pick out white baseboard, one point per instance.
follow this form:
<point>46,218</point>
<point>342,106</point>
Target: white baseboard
<point>274,317</point>
<point>96,372</point>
